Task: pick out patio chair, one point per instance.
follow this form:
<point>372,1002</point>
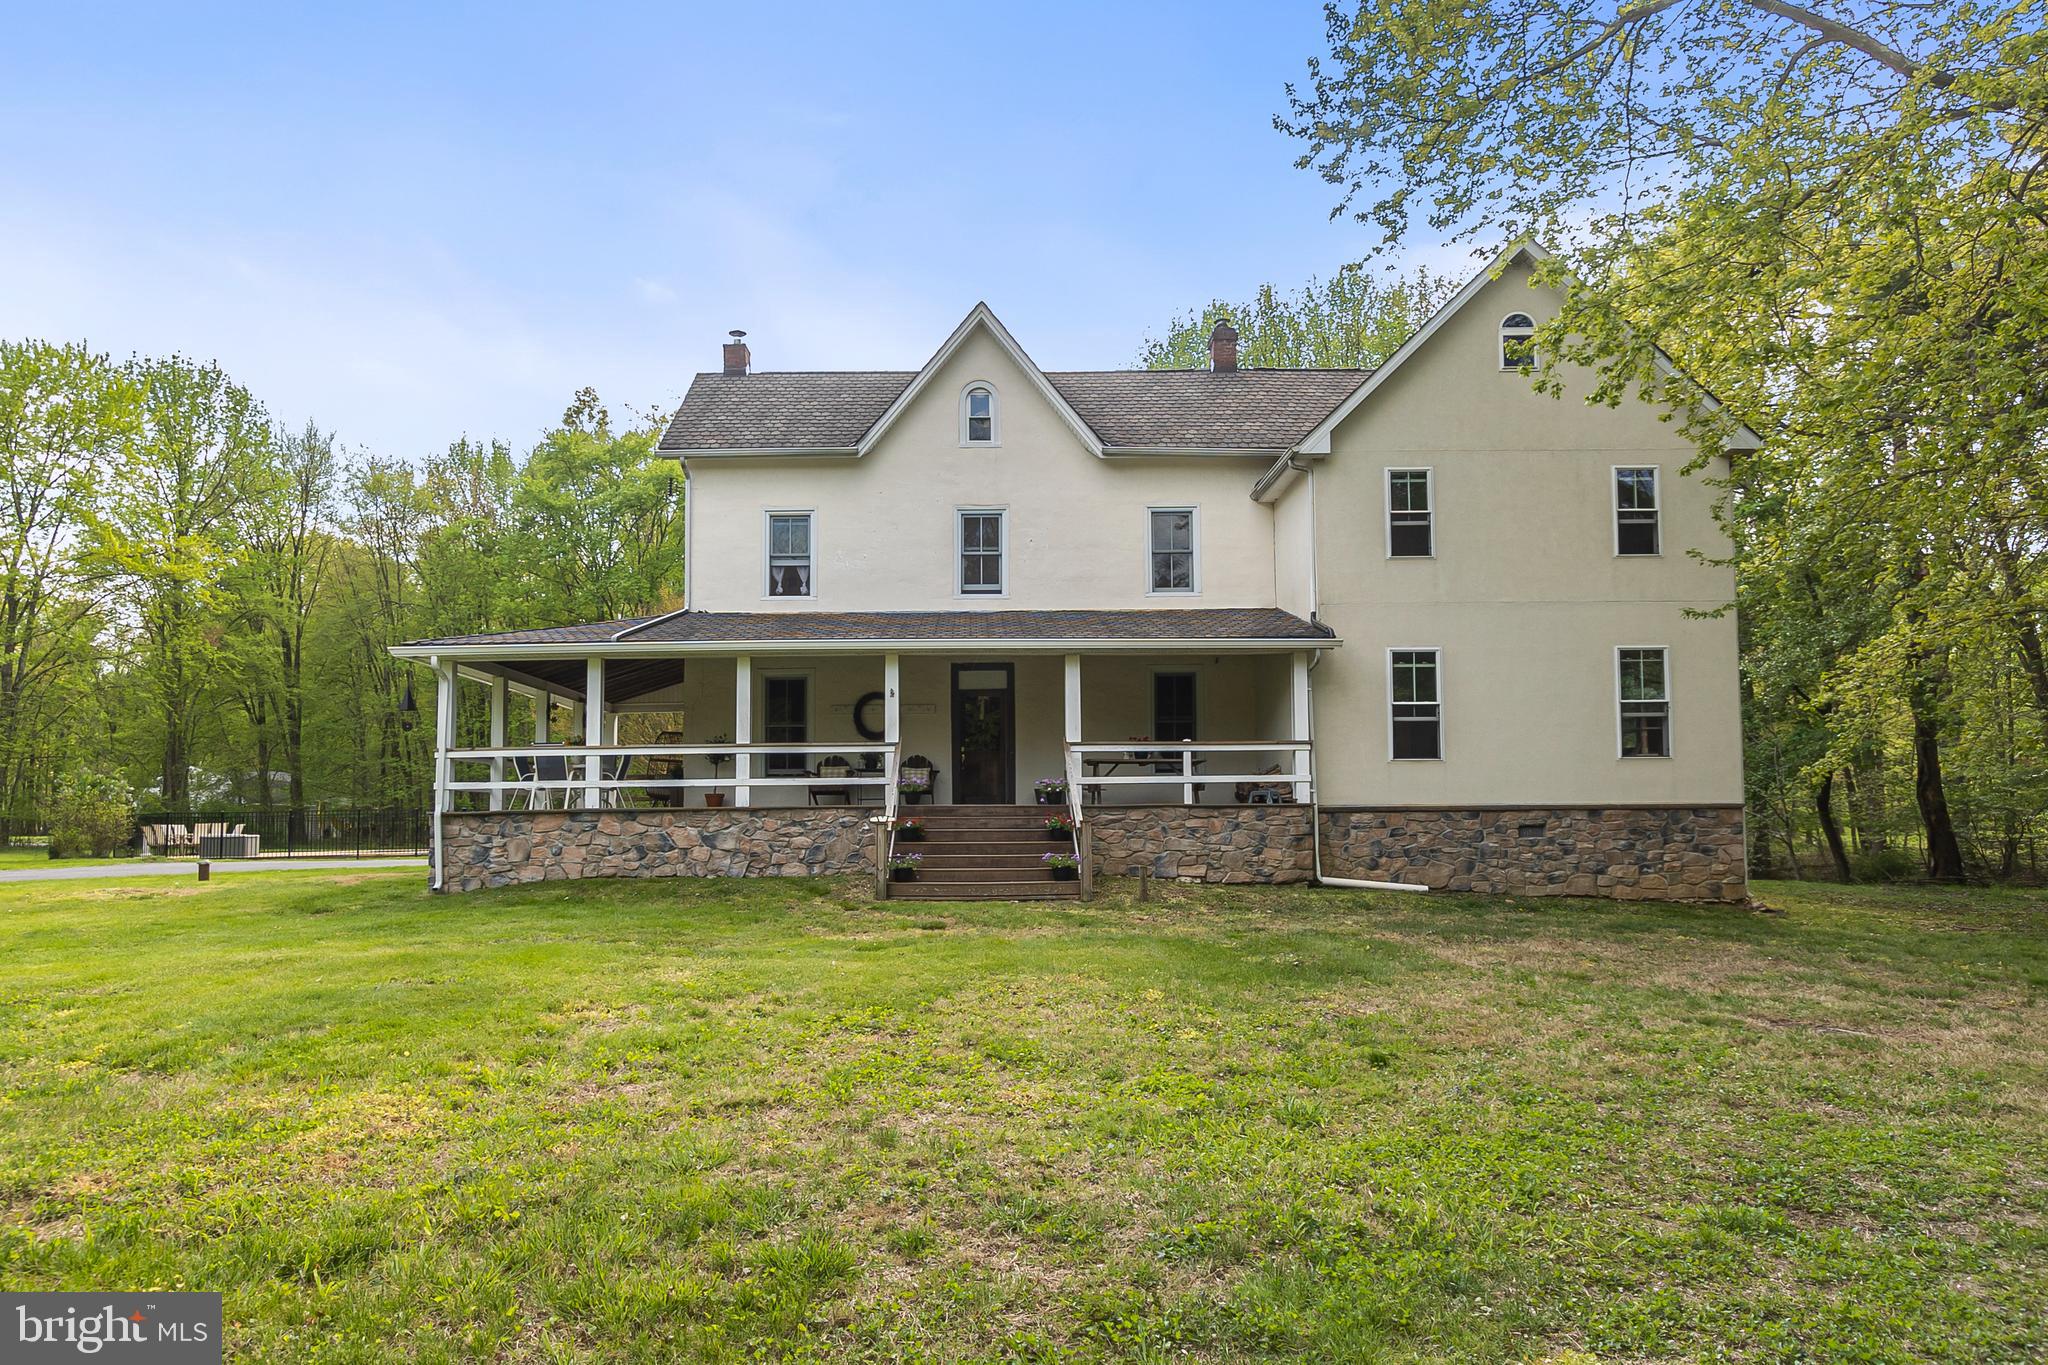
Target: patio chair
<point>1265,793</point>
<point>833,766</point>
<point>916,766</point>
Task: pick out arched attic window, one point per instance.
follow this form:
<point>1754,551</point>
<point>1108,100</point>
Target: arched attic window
<point>978,415</point>
<point>1517,341</point>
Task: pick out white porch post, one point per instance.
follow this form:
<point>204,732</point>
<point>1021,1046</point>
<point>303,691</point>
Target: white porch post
<point>543,702</point>
<point>444,739</point>
<point>593,729</point>
<point>498,691</point>
<point>742,728</point>
<point>1298,712</point>
<point>892,721</point>
<point>1071,769</point>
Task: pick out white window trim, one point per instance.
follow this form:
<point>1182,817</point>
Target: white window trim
<point>1194,588</point>
<point>768,515</point>
<point>1500,342</point>
<point>995,415</point>
<point>1670,707</point>
<point>1152,701</point>
<point>1428,473</point>
<point>1614,507</point>
<point>960,593</point>
<point>1443,736</point>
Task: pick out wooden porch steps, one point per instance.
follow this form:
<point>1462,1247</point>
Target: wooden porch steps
<point>984,853</point>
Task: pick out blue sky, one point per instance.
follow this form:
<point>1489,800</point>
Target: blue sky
<point>416,222</point>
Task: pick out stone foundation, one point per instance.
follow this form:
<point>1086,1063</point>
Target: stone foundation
<point>1686,853</point>
<point>1235,844</point>
<point>508,847</point>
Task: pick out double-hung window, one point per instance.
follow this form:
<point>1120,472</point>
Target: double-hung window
<point>1645,693</point>
<point>1635,512</point>
<point>787,721</point>
<point>1172,533</point>
<point>981,553</point>
<point>789,554</point>
<point>1411,529</point>
<point>1417,712</point>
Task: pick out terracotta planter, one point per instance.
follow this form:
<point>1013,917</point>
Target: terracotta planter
<point>714,799</point>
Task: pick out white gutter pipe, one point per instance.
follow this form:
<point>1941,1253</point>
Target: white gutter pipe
<point>1315,785</point>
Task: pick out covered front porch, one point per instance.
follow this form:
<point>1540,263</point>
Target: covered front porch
<point>870,730</point>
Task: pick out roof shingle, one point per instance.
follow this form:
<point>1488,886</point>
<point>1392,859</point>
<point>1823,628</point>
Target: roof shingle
<point>1256,410</point>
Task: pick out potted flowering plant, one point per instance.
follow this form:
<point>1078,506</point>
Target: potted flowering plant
<point>1052,791</point>
<point>1064,867</point>
<point>1059,827</point>
<point>913,786</point>
<point>903,866</point>
<point>910,827</point>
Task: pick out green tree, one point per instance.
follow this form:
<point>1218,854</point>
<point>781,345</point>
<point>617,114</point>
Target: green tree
<point>1353,320</point>
<point>166,528</point>
<point>64,410</point>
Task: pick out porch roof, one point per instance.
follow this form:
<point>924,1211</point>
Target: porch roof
<point>715,631</point>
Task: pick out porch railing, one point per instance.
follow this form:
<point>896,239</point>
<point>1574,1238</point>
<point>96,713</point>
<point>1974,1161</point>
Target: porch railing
<point>1152,763</point>
<point>591,776</point>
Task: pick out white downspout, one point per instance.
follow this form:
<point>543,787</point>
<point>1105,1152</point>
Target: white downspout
<point>1315,783</point>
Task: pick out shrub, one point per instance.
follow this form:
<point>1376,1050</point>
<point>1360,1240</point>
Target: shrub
<point>1888,865</point>
<point>94,815</point>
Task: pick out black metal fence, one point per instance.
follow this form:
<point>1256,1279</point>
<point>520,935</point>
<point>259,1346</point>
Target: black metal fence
<point>308,832</point>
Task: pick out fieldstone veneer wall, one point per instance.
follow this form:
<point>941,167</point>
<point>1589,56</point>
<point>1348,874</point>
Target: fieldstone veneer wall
<point>1205,843</point>
<point>1691,853</point>
<point>507,847</point>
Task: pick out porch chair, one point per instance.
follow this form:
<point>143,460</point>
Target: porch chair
<point>1265,793</point>
<point>832,766</point>
<point>914,766</point>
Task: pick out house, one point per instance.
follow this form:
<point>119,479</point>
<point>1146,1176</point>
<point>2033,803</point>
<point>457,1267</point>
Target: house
<point>1420,625</point>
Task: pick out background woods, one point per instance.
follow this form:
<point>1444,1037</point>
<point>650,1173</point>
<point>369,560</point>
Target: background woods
<point>198,601</point>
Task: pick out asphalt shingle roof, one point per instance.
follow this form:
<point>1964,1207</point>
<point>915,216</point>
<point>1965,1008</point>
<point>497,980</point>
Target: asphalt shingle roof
<point>759,627</point>
<point>1237,410</point>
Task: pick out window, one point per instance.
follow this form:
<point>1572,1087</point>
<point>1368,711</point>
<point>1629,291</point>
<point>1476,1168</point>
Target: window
<point>789,554</point>
<point>1645,704</point>
<point>1635,512</point>
<point>788,721</point>
<point>978,416</point>
<point>1173,707</point>
<point>1517,337</point>
<point>981,553</point>
<point>1410,534</point>
<point>1173,549</point>
<point>1417,716</point>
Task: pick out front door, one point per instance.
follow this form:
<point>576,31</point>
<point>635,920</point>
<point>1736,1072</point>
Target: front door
<point>984,740</point>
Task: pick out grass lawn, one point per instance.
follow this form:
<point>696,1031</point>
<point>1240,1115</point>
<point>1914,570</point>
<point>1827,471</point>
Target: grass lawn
<point>29,858</point>
<point>657,1120</point>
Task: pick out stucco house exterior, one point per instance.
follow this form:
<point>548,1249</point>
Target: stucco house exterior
<point>1418,625</point>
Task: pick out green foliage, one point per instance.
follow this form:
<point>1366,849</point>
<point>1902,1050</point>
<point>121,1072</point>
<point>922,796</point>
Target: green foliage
<point>207,600</point>
<point>1351,320</point>
<point>92,816</point>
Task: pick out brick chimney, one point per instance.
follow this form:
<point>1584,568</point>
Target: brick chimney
<point>1223,348</point>
<point>737,357</point>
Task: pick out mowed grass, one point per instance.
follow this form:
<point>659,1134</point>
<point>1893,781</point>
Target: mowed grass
<point>657,1121</point>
